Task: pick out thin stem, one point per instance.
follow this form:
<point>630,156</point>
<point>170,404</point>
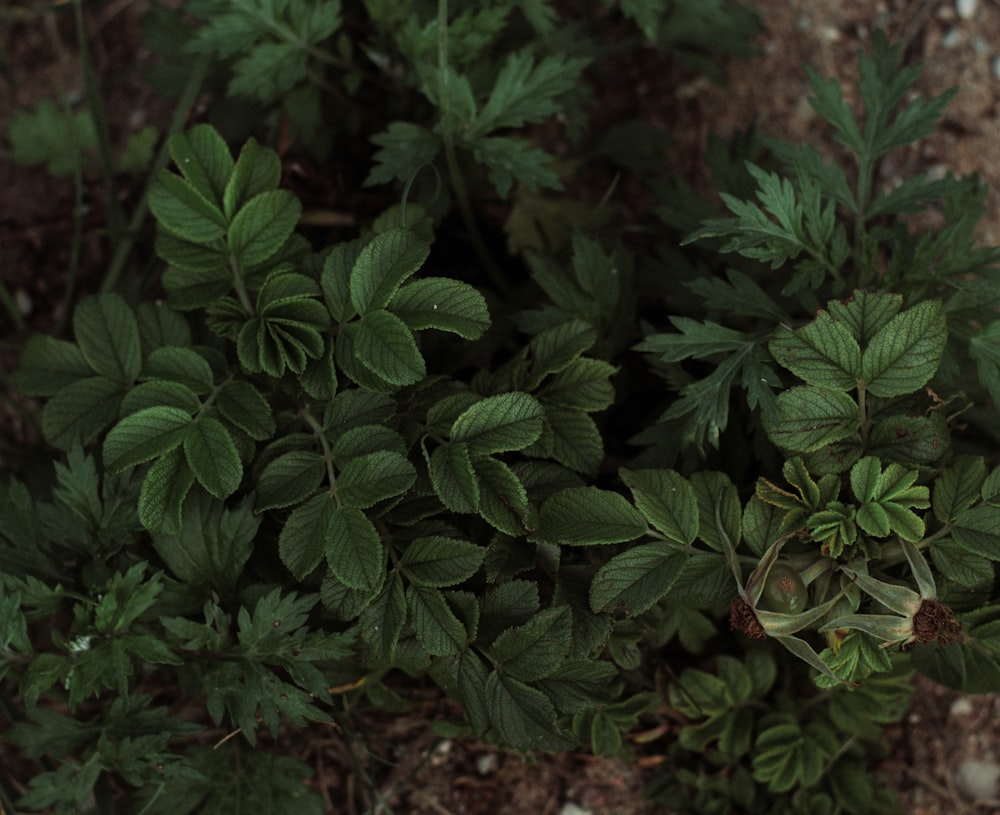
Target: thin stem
<point>454,171</point>
<point>12,309</point>
<point>865,422</point>
<point>124,247</point>
<point>317,430</point>
<point>75,246</point>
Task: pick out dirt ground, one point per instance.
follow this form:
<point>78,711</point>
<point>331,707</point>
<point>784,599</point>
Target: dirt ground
<point>959,43</point>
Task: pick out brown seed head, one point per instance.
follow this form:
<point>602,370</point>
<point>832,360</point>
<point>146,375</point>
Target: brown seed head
<point>742,618</point>
<point>935,622</point>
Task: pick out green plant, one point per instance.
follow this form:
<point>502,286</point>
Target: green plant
<point>309,472</point>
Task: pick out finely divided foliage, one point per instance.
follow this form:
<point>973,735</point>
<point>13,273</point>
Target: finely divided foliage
<point>309,472</point>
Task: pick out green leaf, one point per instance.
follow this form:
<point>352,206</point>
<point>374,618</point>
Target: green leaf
<point>666,500</point>
<point>904,355</point>
<point>303,538</point>
<point>447,305</point>
<point>523,716</point>
<point>503,501</point>
<point>179,365</point>
<point>382,621</point>
<point>453,478</point>
<point>496,424</point>
<point>48,365</point>
<point>585,384</point>
<point>809,418</point>
<point>978,530</point>
<point>145,435</point>
<point>535,649</point>
<point>183,211</point>
<point>403,149</point>
<point>984,348</point>
<point>204,160</point>
<point>52,135</point>
<point>957,563</point>
<point>786,756</point>
<point>525,92</point>
<point>368,438</point>
<point>576,441</point>
<point>438,630</point>
<point>510,159</point>
<point>262,226</point>
<point>213,544</point>
<point>257,170</point>
<point>163,491</point>
<point>108,336</point>
<point>822,353</point>
<point>957,487</point>
<point>866,313</point>
<point>354,550</point>
<point>368,479</point>
<point>585,516</point>
<point>243,405</point>
<point>383,265</point>
<point>386,347</point>
<point>719,513</point>
<point>79,411</point>
<point>438,562</point>
<point>633,581</point>
<point>213,457</point>
<point>289,479</point>
<point>696,340</point>
<point>886,498</point>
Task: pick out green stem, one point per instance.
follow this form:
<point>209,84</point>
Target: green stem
<point>864,422</point>
<point>74,251</point>
<point>317,430</point>
<point>124,247</point>
<point>454,171</point>
<point>12,309</point>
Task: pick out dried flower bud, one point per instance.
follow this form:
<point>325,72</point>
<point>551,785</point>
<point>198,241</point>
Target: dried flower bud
<point>935,622</point>
<point>742,618</point>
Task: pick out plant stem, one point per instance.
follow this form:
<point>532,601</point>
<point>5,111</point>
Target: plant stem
<point>124,247</point>
<point>864,421</point>
<point>454,171</point>
<point>74,252</point>
<point>12,309</point>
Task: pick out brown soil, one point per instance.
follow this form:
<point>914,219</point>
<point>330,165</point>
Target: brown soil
<point>39,60</point>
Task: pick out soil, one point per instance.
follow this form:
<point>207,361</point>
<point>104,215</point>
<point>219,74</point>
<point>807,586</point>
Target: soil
<point>959,43</point>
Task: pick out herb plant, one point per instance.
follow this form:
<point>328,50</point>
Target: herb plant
<point>307,472</point>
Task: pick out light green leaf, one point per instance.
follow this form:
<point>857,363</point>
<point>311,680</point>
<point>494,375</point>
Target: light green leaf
<point>666,500</point>
<point>509,421</point>
<point>368,479</point>
<point>262,226</point>
<point>108,336</point>
<point>145,435</point>
<point>383,265</point>
<point>354,551</point>
<point>213,457</point>
<point>386,347</point>
<point>437,561</point>
<point>633,581</point>
<point>904,355</point>
<point>289,479</point>
<point>810,418</point>
<point>586,516</point>
<point>822,353</point>
<point>447,305</point>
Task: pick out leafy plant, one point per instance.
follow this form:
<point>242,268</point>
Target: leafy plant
<point>306,473</point>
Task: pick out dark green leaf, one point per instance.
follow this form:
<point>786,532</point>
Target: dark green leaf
<point>289,479</point>
<point>213,457</point>
<point>386,347</point>
<point>438,561</point>
<point>666,501</point>
<point>354,551</point>
<point>810,418</point>
<point>243,405</point>
<point>48,365</point>
<point>496,424</point>
<point>437,302</point>
<point>523,716</point>
<point>453,478</point>
<point>373,477</point>
<point>383,265</point>
<point>204,160</point>
<point>145,435</point>
<point>179,365</point>
<point>438,630</point>
<point>262,226</point>
<point>164,489</point>
<point>585,516</point>
<point>257,170</point>
<point>634,580</point>
<point>904,354</point>
<point>537,648</point>
<point>108,336</point>
<point>80,410</point>
<point>183,211</point>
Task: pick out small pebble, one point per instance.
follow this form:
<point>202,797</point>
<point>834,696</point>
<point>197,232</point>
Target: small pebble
<point>978,779</point>
<point>996,67</point>
<point>23,301</point>
<point>570,808</point>
<point>962,706</point>
<point>966,8</point>
<point>952,39</point>
<point>486,763</point>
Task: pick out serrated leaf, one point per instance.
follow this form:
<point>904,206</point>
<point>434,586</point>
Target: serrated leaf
<point>509,159</point>
<point>575,438</point>
<point>204,160</point>
<point>535,649</point>
<point>302,540</point>
<point>904,355</point>
<point>79,411</point>
<point>179,365</point>
<point>145,435</point>
<point>978,530</point>
<point>403,149</point>
<point>382,621</point>
<point>108,336</point>
<point>257,170</point>
<point>957,487</point>
<point>523,716</point>
<point>386,347</point>
<point>373,477</point>
<point>289,479</point>
<point>822,353</point>
<point>212,456</point>
<point>368,438</point>
<point>48,365</point>
<point>631,582</point>
<point>496,424</point>
<point>810,418</point>
<point>719,511</point>
<point>586,516</point>
<point>183,211</point>
<point>243,405</point>
<point>585,384</point>
<point>383,265</point>
<point>163,491</point>
<point>453,478</point>
<point>666,500</point>
<point>503,501</point>
<point>447,305</point>
<point>957,563</point>
<point>262,226</point>
<point>438,561</point>
<point>354,551</point>
<point>159,393</point>
<point>438,630</point>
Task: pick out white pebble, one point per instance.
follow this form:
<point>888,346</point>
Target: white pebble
<point>978,779</point>
<point>23,301</point>
<point>570,808</point>
<point>996,67</point>
<point>966,8</point>
<point>952,38</point>
<point>962,706</point>
<point>486,763</point>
